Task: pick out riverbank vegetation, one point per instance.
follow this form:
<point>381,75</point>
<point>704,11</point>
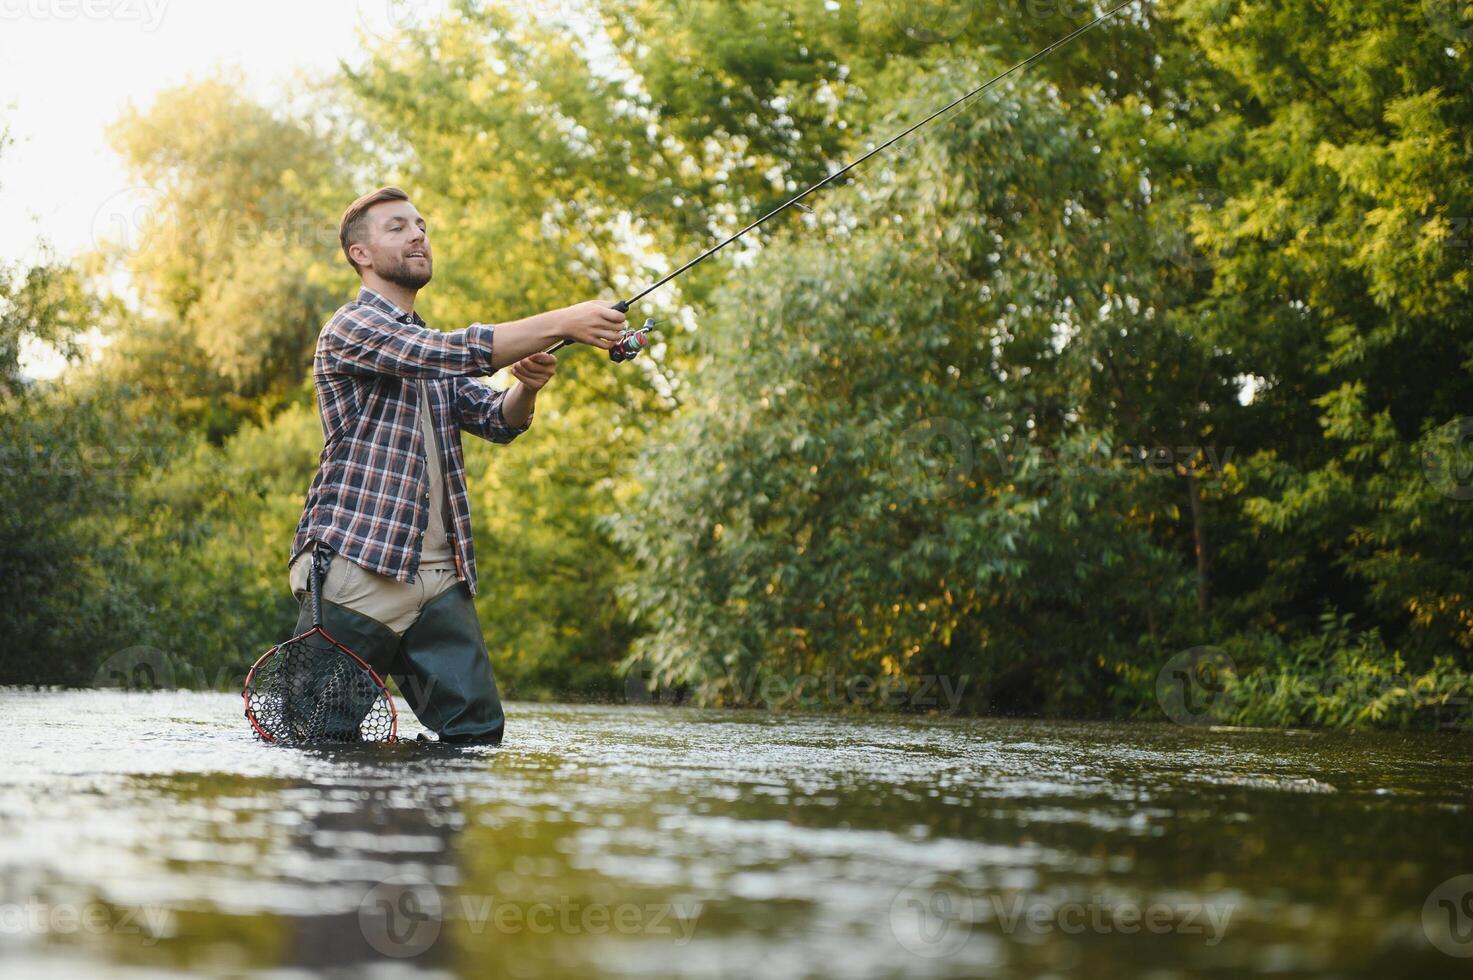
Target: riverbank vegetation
<point>1163,345</point>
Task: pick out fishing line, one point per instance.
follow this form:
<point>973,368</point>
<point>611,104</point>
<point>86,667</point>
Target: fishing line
<point>634,341</point>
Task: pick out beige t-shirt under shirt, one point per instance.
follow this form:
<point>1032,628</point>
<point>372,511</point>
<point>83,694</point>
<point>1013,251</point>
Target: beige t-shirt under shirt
<point>437,551</point>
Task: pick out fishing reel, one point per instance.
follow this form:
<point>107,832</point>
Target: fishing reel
<point>632,342</point>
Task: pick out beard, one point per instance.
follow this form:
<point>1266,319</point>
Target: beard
<point>401,274</point>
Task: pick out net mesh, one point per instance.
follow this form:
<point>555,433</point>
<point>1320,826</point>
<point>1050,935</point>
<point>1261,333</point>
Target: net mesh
<point>309,690</point>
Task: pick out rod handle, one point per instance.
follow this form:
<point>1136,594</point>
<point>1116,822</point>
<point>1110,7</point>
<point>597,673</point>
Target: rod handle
<point>319,559</point>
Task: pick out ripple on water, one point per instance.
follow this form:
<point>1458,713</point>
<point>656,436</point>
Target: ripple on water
<point>730,842</point>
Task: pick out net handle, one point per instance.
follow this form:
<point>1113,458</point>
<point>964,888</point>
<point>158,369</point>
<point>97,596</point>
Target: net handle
<point>321,558</point>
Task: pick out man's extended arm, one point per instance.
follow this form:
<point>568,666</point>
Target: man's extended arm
<point>367,341</point>
<point>594,323</point>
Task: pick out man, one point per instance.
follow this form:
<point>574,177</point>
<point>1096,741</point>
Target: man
<point>389,500</point>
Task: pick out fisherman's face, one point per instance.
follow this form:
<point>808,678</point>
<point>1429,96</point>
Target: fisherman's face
<point>398,244</point>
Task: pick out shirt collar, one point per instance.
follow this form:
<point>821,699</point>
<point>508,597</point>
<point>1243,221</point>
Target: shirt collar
<point>368,297</point>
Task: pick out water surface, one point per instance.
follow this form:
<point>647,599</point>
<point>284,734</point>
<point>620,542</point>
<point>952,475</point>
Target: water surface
<point>148,835</point>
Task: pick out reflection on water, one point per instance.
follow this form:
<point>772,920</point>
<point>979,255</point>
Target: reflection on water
<point>142,834</point>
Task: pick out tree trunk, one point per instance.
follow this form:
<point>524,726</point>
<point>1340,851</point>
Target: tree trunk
<point>1199,537</point>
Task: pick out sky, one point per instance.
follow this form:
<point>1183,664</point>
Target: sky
<point>69,68</point>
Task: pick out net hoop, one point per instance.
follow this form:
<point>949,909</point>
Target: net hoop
<point>383,691</point>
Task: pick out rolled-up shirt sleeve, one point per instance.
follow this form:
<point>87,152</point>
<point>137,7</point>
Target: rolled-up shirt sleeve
<point>368,341</point>
<point>478,411</point>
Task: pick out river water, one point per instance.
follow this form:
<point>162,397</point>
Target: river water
<point>146,834</point>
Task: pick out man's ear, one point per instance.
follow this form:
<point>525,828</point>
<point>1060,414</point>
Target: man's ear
<point>360,255</point>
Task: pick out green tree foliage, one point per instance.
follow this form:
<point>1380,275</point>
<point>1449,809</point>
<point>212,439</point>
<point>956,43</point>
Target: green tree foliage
<point>520,155</point>
<point>1251,199</point>
<point>1162,344</point>
<point>884,470</point>
<point>146,522</point>
<point>231,243</point>
<point>1340,265</point>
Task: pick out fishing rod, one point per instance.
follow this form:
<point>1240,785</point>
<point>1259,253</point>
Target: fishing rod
<point>632,342</point>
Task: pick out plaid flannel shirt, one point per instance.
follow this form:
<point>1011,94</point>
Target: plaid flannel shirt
<point>369,501</point>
